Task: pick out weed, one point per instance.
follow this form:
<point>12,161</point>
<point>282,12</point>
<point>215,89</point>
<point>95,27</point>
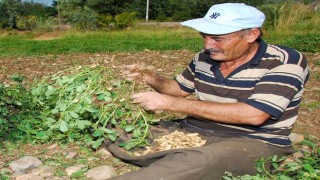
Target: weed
<point>303,166</point>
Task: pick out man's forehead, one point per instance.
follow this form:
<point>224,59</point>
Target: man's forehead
<point>222,35</point>
<point>214,35</point>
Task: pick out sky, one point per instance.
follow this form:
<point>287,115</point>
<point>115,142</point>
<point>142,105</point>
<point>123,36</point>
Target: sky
<point>46,2</point>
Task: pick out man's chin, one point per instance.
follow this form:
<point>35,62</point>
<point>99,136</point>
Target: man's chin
<point>216,56</point>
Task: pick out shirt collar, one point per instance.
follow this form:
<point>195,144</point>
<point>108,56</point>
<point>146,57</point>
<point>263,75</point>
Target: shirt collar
<point>259,54</point>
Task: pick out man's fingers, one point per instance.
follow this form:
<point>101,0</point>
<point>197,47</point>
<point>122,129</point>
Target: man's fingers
<point>132,75</point>
<point>136,97</point>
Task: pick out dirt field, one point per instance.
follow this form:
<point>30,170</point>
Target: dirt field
<point>166,63</point>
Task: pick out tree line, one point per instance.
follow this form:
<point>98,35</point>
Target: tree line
<point>103,14</point>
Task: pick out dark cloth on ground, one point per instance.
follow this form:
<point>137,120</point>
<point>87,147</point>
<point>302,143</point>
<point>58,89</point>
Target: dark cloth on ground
<point>234,154</point>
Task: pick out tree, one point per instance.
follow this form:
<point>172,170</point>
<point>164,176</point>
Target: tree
<point>111,7</point>
<point>77,13</point>
<point>9,11</point>
<point>36,9</point>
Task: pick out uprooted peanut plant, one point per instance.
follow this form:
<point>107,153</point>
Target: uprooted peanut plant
<point>83,104</point>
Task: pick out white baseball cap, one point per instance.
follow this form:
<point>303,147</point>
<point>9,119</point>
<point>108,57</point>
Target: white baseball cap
<point>227,18</point>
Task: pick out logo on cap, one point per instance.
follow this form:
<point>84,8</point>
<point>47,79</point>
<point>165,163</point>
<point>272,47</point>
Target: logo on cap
<point>214,15</point>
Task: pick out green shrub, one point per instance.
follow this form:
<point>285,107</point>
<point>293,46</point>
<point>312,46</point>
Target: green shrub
<point>292,14</point>
<point>14,98</point>
<point>162,18</point>
<point>45,24</point>
<point>125,19</point>
<point>84,20</point>
<point>3,23</point>
<point>306,42</point>
<point>106,21</point>
<point>290,17</point>
<point>26,22</point>
<point>35,23</point>
<point>270,11</point>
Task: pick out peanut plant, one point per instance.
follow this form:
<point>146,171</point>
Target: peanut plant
<point>83,104</point>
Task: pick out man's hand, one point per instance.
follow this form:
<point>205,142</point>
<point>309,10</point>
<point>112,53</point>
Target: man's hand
<point>139,72</point>
<point>153,101</point>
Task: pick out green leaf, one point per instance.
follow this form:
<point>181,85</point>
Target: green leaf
<point>129,128</point>
<point>91,110</point>
<point>308,167</point>
<point>97,143</point>
<point>275,165</point>
<point>37,91</point>
<point>107,93</point>
<point>63,126</point>
<point>98,133</point>
<point>18,103</point>
<point>136,133</point>
<point>67,117</point>
<point>122,144</point>
<point>88,100</point>
<point>128,146</point>
<point>42,135</point>
<point>50,88</point>
<point>81,124</point>
<point>106,130</point>
<point>50,121</point>
<point>63,107</point>
<point>284,177</point>
<point>259,165</point>
<point>154,121</point>
<point>112,137</point>
<point>101,97</point>
<point>50,91</point>
<point>107,99</point>
<point>74,115</point>
<point>64,79</point>
<point>81,88</point>
<point>114,122</point>
<point>54,111</point>
<point>119,113</point>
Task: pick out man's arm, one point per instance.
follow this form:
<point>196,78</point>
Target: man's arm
<point>163,85</point>
<point>232,113</point>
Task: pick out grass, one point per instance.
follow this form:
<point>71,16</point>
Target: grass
<point>295,25</point>
<point>134,40</point>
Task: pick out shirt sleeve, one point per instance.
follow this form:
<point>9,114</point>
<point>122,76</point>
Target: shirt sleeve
<point>279,89</point>
<point>186,78</point>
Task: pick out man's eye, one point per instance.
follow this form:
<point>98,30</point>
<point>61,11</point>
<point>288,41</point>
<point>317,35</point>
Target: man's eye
<point>216,39</point>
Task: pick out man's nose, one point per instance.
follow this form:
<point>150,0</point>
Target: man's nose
<point>209,43</point>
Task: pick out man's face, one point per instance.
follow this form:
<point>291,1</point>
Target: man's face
<point>226,47</point>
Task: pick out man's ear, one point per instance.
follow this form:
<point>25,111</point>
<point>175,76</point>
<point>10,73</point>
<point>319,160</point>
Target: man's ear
<point>253,34</point>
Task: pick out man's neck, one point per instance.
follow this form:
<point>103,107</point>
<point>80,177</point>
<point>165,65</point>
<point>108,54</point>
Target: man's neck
<point>227,67</point>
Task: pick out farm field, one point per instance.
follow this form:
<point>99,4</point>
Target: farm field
<point>59,155</point>
<point>67,73</point>
<point>167,63</point>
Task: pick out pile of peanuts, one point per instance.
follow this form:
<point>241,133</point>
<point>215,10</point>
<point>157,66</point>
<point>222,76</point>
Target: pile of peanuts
<point>174,140</point>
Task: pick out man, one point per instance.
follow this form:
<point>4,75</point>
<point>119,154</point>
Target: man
<point>248,94</point>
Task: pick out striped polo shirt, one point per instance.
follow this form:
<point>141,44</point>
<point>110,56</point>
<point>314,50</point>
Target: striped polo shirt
<point>272,81</point>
